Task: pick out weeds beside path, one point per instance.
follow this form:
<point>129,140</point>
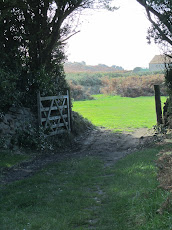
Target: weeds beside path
<point>88,187</point>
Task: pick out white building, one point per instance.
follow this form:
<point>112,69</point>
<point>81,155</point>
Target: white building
<point>158,63</point>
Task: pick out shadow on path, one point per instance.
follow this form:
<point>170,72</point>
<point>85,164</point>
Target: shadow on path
<point>103,143</point>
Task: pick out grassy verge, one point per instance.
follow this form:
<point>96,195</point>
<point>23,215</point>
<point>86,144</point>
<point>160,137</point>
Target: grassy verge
<point>9,158</point>
<point>119,113</point>
<point>81,194</point>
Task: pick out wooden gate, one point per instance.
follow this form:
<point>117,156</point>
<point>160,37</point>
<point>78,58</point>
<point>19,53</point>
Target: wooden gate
<point>54,114</point>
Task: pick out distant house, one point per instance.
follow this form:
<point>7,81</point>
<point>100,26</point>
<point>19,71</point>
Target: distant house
<point>158,62</point>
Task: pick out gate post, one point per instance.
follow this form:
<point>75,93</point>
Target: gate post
<point>39,108</point>
<point>69,110</point>
<point>158,104</point>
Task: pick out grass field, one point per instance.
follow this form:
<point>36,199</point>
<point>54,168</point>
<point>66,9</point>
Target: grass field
<point>119,113</point>
<point>82,194</point>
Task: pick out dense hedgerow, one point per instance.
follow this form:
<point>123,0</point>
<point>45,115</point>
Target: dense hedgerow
<point>81,77</point>
<point>134,86</point>
<point>84,85</point>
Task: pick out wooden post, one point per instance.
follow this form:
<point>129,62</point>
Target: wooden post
<point>70,109</point>
<point>70,104</point>
<point>158,104</point>
<point>39,108</point>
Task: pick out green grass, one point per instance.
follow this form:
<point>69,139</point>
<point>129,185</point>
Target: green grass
<point>119,113</point>
<point>56,198</point>
<point>133,196</point>
<point>81,193</point>
<point>9,158</point>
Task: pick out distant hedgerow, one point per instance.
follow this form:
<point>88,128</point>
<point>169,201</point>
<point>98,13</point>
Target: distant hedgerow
<point>125,84</point>
<point>133,86</point>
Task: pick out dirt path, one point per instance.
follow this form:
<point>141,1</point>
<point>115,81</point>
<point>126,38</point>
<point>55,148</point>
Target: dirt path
<point>109,146</point>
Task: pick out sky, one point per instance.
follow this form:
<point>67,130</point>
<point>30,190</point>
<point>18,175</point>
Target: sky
<point>113,38</point>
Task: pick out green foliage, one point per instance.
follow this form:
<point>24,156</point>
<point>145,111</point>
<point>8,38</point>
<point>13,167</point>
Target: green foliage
<point>160,129</point>
<point>137,69</point>
<point>168,79</point>
<point>48,82</point>
<point>8,92</point>
<point>21,89</point>
<point>95,78</point>
<point>127,84</point>
<point>31,138</point>
<point>86,78</point>
<point>168,106</point>
<point>30,58</point>
<point>31,44</point>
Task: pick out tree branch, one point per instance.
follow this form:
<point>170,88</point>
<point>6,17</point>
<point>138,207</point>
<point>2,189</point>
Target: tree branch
<point>164,37</point>
<point>69,36</point>
<point>53,38</point>
<point>156,13</point>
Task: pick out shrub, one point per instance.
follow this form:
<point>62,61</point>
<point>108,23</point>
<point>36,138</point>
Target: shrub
<point>20,89</point>
<point>31,138</point>
<point>124,83</point>
<point>133,86</point>
<point>168,79</point>
<point>78,92</point>
<point>47,82</point>
<point>8,93</point>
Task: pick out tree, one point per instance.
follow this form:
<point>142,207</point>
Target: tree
<point>31,41</point>
<point>137,69</point>
<point>36,27</point>
<point>159,13</point>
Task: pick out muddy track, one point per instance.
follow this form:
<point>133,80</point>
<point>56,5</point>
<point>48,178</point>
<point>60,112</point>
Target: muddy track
<point>110,147</point>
